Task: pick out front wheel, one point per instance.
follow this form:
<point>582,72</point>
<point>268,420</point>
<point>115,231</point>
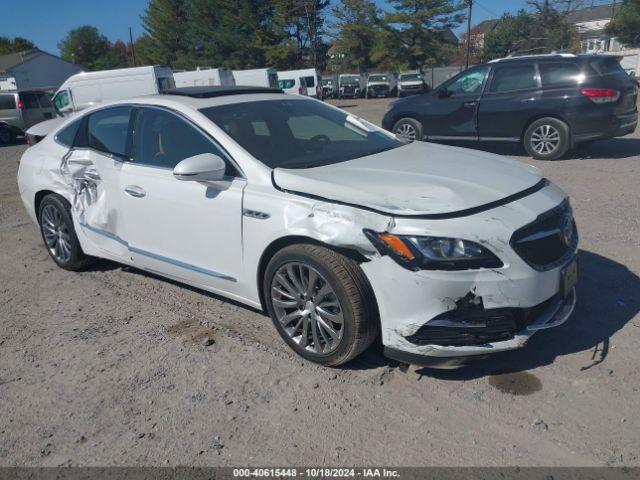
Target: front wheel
<point>321,304</point>
<point>547,139</point>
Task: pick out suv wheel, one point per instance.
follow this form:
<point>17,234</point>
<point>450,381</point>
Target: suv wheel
<point>408,128</point>
<point>6,135</point>
<point>547,139</point>
<point>59,235</point>
<point>320,303</point>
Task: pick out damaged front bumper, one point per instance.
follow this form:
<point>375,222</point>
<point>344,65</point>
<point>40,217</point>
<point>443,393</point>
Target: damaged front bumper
<point>447,318</point>
<point>550,314</point>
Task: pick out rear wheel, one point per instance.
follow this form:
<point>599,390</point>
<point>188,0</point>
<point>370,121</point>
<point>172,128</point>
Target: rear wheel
<point>320,303</point>
<point>547,139</point>
<point>6,135</point>
<point>59,234</point>
<point>408,128</point>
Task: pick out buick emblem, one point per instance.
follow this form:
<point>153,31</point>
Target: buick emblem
<point>566,229</point>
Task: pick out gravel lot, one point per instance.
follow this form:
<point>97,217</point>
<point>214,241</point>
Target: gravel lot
<point>110,367</point>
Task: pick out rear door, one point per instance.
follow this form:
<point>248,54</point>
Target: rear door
<point>511,98</point>
<point>450,113</point>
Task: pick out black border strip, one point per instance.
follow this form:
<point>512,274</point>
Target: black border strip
<point>433,216</point>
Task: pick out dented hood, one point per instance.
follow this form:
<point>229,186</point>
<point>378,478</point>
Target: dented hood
<point>415,179</point>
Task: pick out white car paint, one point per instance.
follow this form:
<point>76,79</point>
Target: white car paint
<point>175,229</point>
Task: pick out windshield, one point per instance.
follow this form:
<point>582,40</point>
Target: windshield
<point>410,76</point>
<point>350,80</point>
<point>378,78</point>
<point>298,133</point>
<point>327,82</point>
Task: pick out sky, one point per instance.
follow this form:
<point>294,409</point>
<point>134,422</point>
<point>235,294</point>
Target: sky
<point>46,22</point>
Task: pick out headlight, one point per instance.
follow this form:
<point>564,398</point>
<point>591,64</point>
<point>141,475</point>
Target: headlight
<point>433,253</point>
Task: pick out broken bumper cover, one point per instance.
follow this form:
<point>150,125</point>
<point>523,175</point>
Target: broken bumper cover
<point>552,313</point>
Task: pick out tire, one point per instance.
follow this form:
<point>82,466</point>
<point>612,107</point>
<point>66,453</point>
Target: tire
<point>59,235</point>
<point>408,128</point>
<point>547,139</point>
<point>341,291</point>
<point>6,135</point>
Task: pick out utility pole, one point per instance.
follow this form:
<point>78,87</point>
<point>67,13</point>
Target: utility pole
<point>466,61</point>
<point>133,49</point>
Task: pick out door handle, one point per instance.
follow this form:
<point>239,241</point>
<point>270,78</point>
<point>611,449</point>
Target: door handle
<point>470,104</point>
<point>135,191</point>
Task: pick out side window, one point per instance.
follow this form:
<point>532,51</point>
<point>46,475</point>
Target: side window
<point>286,83</point>
<point>162,139</point>
<point>310,81</point>
<point>61,100</point>
<point>555,74</point>
<point>7,102</point>
<point>508,78</point>
<point>107,130</point>
<point>67,135</point>
<point>468,83</point>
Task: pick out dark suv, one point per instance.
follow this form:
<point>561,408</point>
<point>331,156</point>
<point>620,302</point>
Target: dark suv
<point>550,103</point>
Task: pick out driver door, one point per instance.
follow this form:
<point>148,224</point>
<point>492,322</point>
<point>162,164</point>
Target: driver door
<point>186,230</point>
<point>452,112</point>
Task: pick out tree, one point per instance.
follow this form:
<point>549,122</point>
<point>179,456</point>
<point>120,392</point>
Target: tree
<point>543,29</point>
<point>86,47</point>
<point>18,44</point>
<point>514,33</point>
<point>230,33</point>
<point>356,34</point>
<point>419,27</point>
<point>626,24</point>
<point>165,23</point>
<point>298,27</point>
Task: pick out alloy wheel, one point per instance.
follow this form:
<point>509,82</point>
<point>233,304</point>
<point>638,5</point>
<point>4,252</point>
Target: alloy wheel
<point>56,233</point>
<point>307,308</point>
<point>406,130</point>
<point>545,139</point>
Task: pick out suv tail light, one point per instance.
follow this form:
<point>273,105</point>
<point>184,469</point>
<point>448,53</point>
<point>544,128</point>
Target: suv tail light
<point>20,104</point>
<point>601,95</point>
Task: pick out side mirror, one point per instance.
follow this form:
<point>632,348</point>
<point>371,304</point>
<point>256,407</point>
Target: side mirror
<point>205,167</point>
<point>443,92</point>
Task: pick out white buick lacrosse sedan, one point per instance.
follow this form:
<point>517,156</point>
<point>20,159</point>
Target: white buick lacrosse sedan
<point>331,225</point>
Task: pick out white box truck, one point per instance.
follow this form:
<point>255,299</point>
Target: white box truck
<point>257,77</point>
<point>85,89</point>
<point>204,77</point>
<point>308,75</point>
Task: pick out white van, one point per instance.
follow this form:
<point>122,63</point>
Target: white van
<point>258,77</point>
<point>204,77</point>
<point>309,75</point>
<point>296,85</point>
<point>85,89</point>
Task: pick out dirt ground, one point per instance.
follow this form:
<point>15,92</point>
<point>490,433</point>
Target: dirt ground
<point>112,366</point>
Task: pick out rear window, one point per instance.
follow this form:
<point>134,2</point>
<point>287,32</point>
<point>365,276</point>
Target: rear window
<point>554,74</point>
<point>29,100</point>
<point>166,83</point>
<point>310,81</point>
<point>604,66</point>
<point>67,135</point>
<point>7,102</point>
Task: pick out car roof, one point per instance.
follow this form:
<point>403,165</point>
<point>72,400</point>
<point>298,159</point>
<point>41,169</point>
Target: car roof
<point>198,103</point>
